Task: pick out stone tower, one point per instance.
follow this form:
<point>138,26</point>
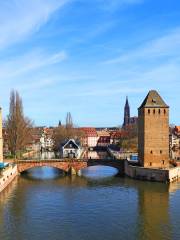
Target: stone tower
<point>153,132</point>
<point>126,114</point>
<point>1,139</point>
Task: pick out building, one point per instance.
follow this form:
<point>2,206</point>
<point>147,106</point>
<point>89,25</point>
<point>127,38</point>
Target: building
<point>153,132</point>
<point>177,131</point>
<point>45,139</point>
<point>116,136</point>
<point>90,137</point>
<point>126,114</point>
<point>128,120</point>
<point>103,138</point>
<point>1,138</point>
<point>70,149</point>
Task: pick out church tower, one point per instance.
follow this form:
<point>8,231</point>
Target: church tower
<point>1,139</point>
<point>153,132</point>
<point>126,114</point>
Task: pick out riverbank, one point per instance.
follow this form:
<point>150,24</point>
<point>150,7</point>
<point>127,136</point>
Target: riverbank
<point>151,174</point>
<point>7,175</point>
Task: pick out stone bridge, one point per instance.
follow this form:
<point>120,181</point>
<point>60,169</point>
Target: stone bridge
<point>70,165</point>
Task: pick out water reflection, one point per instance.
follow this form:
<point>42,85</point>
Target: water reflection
<point>99,172</point>
<point>44,155</point>
<point>153,204</point>
<point>43,173</point>
<point>87,155</point>
<point>96,155</point>
<point>72,207</point>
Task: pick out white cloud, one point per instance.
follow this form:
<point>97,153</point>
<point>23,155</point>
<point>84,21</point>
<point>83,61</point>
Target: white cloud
<point>29,62</point>
<point>21,18</point>
<point>164,46</point>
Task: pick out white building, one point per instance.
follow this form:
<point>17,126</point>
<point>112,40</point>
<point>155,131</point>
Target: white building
<point>70,149</point>
<point>90,137</point>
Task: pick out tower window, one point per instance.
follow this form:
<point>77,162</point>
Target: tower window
<point>150,164</point>
<point>160,151</point>
<point>163,162</point>
<point>154,111</point>
<point>164,111</point>
<point>159,111</point>
<point>151,152</point>
<point>149,111</point>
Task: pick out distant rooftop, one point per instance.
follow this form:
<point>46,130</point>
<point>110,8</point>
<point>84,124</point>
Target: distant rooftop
<point>153,99</point>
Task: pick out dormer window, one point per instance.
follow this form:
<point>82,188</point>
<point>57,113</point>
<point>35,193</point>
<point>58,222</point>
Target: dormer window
<point>154,100</point>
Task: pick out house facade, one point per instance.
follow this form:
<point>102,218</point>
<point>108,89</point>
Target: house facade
<point>90,137</point>
<point>70,149</point>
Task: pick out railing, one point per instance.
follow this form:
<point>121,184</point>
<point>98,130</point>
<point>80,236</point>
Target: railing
<point>63,160</point>
<point>50,160</point>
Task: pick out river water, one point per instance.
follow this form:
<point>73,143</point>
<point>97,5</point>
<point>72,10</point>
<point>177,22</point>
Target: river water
<point>45,204</point>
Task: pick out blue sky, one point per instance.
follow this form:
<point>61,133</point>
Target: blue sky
<point>85,56</point>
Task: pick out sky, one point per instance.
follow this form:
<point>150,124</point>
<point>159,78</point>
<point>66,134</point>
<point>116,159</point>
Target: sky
<point>86,56</point>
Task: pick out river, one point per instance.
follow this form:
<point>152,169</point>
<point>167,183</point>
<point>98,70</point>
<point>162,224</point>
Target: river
<point>44,204</point>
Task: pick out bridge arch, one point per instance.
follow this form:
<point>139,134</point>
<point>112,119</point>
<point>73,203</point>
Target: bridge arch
<point>117,164</point>
<point>61,165</point>
<point>70,165</point>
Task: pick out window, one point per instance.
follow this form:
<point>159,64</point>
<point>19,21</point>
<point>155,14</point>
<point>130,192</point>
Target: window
<point>154,111</point>
<point>163,162</point>
<point>150,164</point>
<point>164,111</point>
<point>149,111</point>
<point>160,151</point>
<point>151,152</point>
<point>159,111</point>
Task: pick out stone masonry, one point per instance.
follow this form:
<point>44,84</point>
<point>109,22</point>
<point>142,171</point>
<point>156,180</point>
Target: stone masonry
<point>1,139</point>
<point>153,132</point>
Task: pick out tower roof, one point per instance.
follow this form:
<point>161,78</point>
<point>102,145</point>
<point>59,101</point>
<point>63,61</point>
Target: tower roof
<point>127,102</point>
<point>153,99</point>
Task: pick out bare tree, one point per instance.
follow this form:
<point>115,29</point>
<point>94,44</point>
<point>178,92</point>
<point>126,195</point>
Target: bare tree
<point>62,133</point>
<point>18,126</point>
<point>69,121</point>
<point>129,142</point>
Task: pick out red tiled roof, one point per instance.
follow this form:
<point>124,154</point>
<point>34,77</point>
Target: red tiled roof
<point>89,132</point>
<point>177,129</point>
<point>118,134</point>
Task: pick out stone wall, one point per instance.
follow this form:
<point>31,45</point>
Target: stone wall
<point>7,175</point>
<point>154,137</point>
<point>174,174</point>
<point>150,174</point>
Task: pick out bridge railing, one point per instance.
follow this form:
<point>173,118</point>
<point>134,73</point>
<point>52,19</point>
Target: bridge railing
<point>50,160</point>
<point>66,160</point>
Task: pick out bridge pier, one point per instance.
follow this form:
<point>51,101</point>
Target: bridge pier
<point>72,171</point>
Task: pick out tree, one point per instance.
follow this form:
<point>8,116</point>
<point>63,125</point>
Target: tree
<point>18,126</point>
<point>62,133</point>
<point>69,121</point>
<point>130,141</point>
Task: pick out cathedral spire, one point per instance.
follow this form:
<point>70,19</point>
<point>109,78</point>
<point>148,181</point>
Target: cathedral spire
<point>127,103</point>
<point>126,113</point>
